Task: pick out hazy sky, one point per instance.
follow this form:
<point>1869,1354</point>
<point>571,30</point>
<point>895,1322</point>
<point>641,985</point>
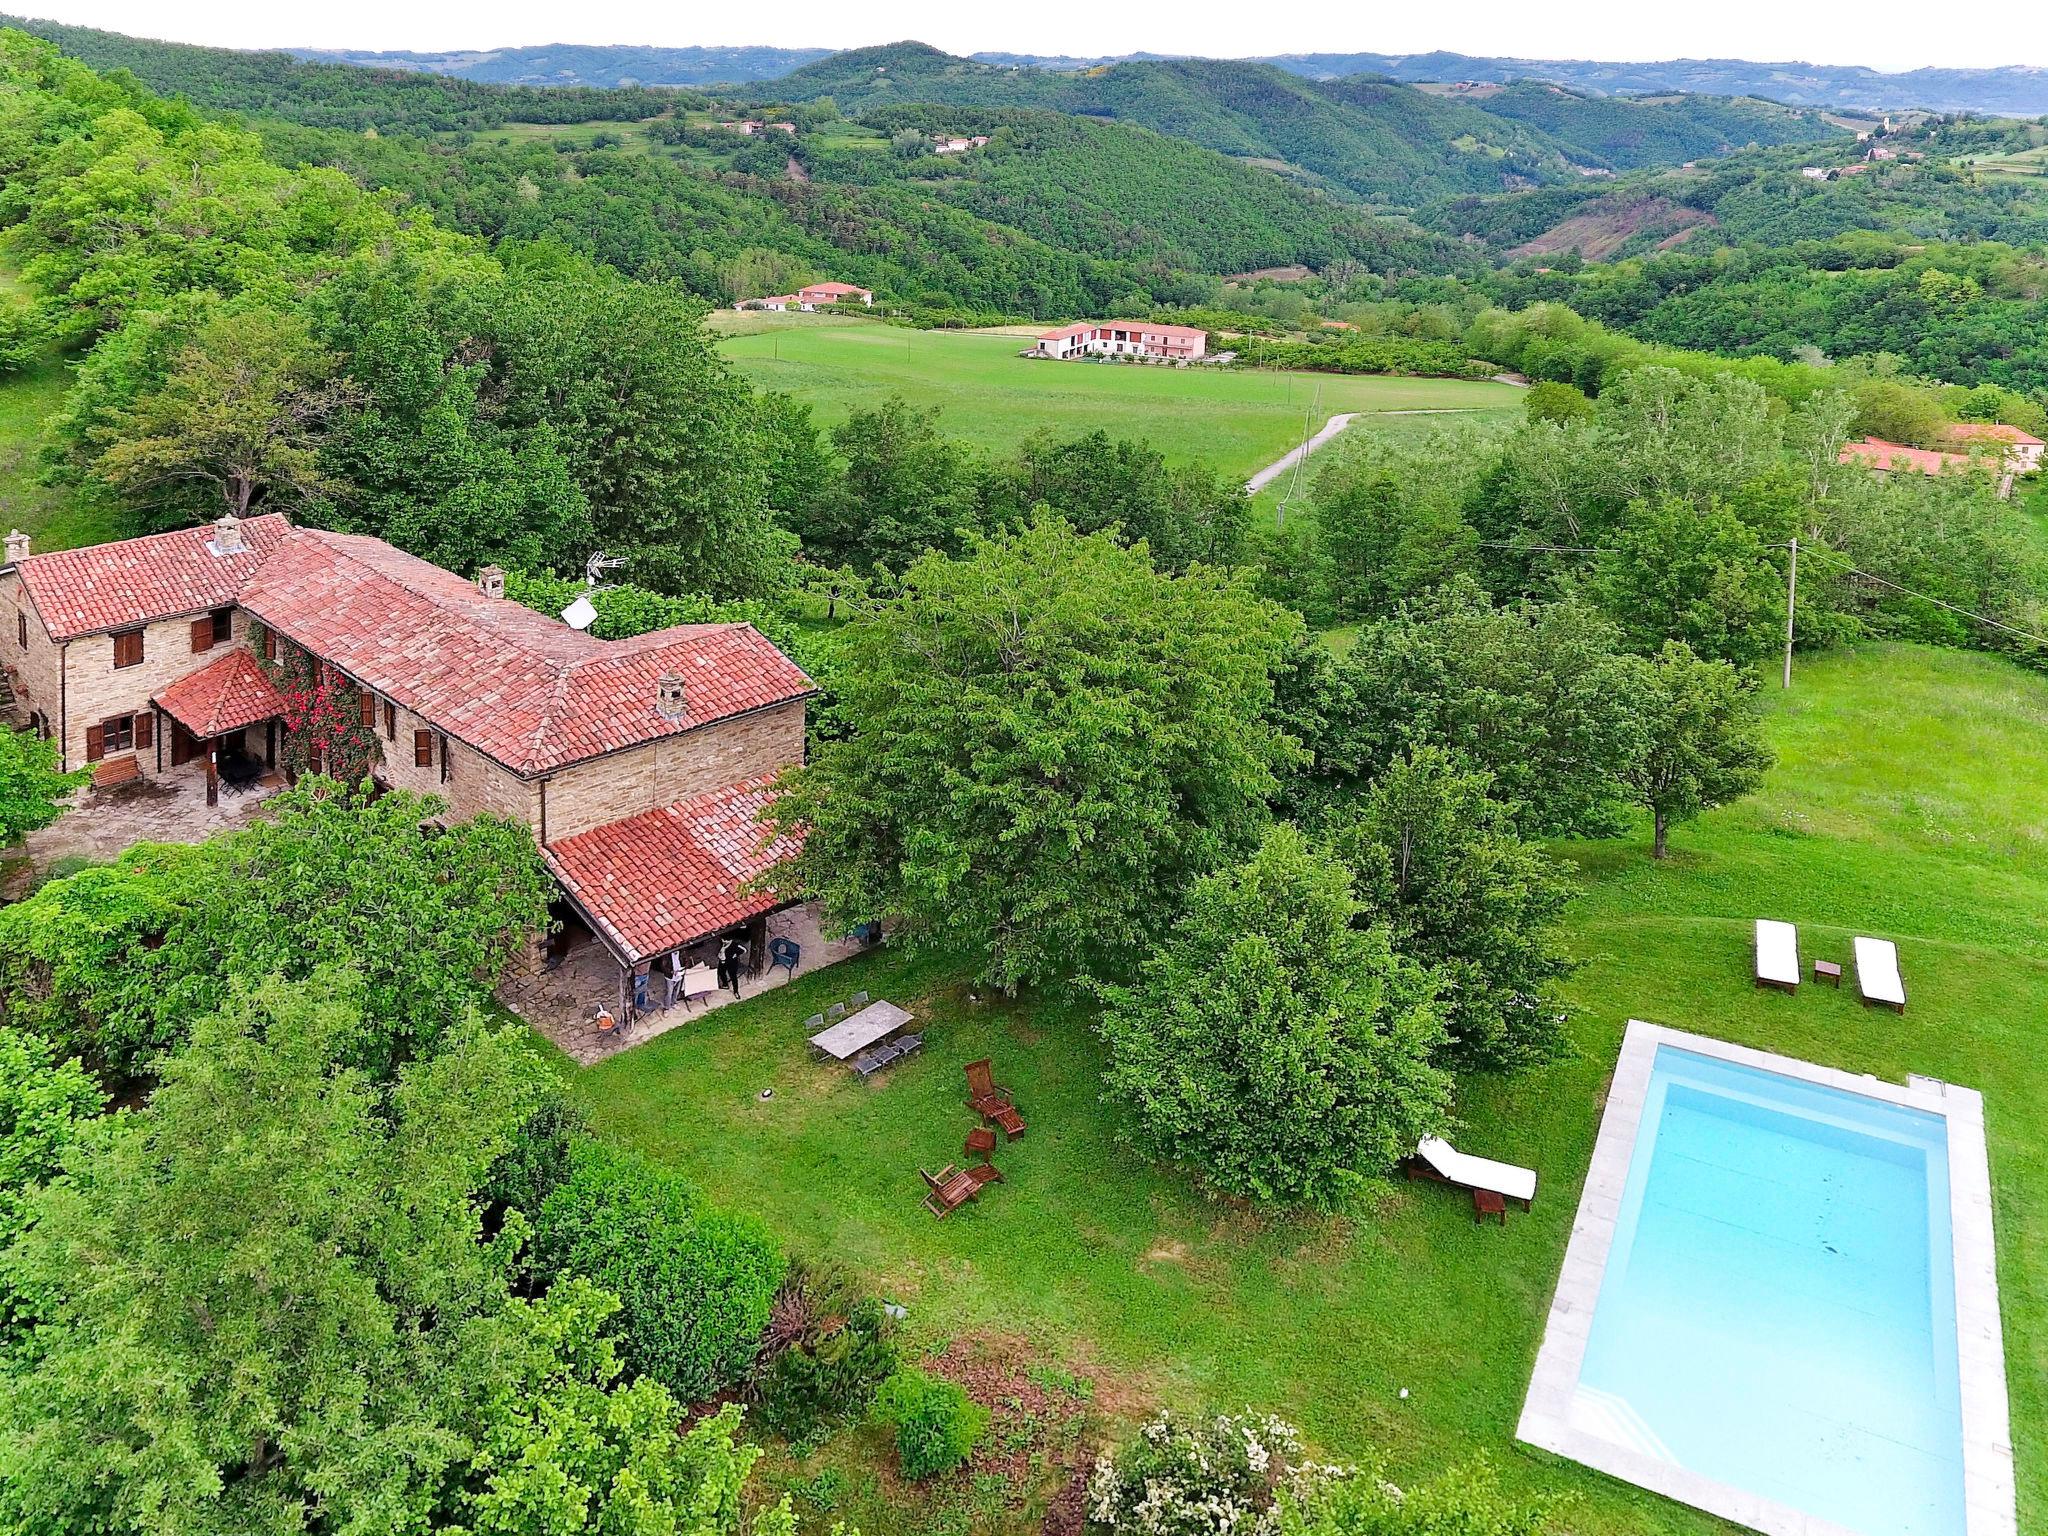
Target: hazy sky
<point>1886,34</point>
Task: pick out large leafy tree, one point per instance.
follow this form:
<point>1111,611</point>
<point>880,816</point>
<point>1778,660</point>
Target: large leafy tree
<point>1438,860</point>
<point>43,1104</point>
<point>1691,571</point>
<point>239,415</point>
<point>1703,733</point>
<point>32,788</point>
<point>1094,481</point>
<point>1532,693</point>
<point>116,962</point>
<point>257,1285</point>
<point>903,487</point>
<point>1049,740</point>
<point>1273,1041</point>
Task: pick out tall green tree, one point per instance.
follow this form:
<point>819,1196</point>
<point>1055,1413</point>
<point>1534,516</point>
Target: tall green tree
<point>1703,734</point>
<point>1691,571</point>
<point>1185,514</point>
<point>1531,692</point>
<point>32,788</point>
<point>1438,860</point>
<point>257,1286</point>
<point>44,1103</point>
<point>1049,739</point>
<point>240,414</point>
<point>1273,1042</point>
<point>903,488</point>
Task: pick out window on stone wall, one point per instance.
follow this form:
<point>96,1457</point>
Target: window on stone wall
<point>21,628</point>
<point>128,648</point>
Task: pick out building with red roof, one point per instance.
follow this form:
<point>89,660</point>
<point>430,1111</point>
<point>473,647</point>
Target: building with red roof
<point>640,764</point>
<point>1143,339</point>
<point>2021,450</point>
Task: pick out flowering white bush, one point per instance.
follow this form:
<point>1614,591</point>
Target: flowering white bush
<point>1209,1477</point>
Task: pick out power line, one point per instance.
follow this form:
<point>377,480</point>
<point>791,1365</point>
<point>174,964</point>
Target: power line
<point>1885,581</point>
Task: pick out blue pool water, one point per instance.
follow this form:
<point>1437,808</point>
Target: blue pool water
<point>1778,1307</point>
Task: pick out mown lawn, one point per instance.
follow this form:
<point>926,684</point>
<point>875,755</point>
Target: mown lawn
<point>51,514</point>
<point>1239,420</point>
<point>1905,803</point>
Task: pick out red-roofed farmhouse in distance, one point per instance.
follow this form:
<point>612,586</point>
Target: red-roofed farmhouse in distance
<point>641,765</point>
<point>1145,339</point>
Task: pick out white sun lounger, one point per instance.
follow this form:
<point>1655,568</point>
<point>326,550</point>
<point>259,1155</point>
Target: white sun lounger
<point>1877,973</point>
<point>1450,1165</point>
<point>1777,954</point>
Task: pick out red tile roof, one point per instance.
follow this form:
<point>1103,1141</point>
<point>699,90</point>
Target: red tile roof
<point>1879,454</point>
<point>664,878</point>
<point>224,695</point>
<point>136,581</point>
<point>837,289</point>
<point>1993,432</point>
<point>521,687</point>
<point>1148,327</point>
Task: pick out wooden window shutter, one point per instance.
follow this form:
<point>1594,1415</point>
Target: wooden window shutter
<point>269,644</point>
<point>369,702</point>
<point>145,731</point>
<point>390,721</point>
<point>447,768</point>
<point>423,749</point>
<point>95,743</point>
<point>202,634</point>
<point>128,648</point>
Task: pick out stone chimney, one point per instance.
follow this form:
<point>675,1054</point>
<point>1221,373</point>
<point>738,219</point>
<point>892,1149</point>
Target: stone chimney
<point>17,547</point>
<point>491,581</point>
<point>669,702</point>
<point>227,535</point>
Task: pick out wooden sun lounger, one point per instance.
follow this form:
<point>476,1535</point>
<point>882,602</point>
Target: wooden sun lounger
<point>1777,955</point>
<point>990,1101</point>
<point>951,1188</point>
<point>1491,1183</point>
<point>1877,974</point>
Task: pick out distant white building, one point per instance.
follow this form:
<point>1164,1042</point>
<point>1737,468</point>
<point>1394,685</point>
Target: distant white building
<point>1125,338</point>
<point>808,299</point>
<point>751,126</point>
<point>945,145</point>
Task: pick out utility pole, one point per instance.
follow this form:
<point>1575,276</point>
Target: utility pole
<point>1791,599</point>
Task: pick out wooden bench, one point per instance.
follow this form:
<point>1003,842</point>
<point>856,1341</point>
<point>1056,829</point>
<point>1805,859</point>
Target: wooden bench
<point>116,770</point>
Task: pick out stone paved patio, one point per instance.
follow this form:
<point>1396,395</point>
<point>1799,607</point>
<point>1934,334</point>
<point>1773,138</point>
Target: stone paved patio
<point>560,1003</point>
<point>103,823</point>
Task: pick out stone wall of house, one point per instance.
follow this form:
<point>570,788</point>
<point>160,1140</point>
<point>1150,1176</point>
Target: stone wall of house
<point>36,668</point>
<point>674,768</point>
<point>95,688</point>
<point>472,784</point>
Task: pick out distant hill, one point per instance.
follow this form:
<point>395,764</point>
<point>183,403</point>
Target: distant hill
<point>585,64</point>
<point>1371,136</point>
<point>1373,139</point>
<point>1625,134</point>
<point>2013,89</point>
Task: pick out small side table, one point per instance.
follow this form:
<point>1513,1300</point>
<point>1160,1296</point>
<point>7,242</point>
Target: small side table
<point>1827,971</point>
<point>981,1142</point>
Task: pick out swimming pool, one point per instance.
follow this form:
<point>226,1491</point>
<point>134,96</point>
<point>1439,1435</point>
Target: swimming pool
<point>1778,1303</point>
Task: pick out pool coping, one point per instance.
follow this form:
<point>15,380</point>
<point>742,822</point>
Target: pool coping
<point>1989,1497</point>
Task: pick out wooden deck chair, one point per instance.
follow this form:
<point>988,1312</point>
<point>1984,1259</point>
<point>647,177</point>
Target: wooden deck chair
<point>989,1101</point>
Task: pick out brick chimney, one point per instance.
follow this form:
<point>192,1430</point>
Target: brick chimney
<point>669,702</point>
<point>491,581</point>
<point>227,535</point>
<point>17,547</point>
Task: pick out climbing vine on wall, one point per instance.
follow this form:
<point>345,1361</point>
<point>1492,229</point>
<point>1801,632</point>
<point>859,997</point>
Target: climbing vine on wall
<point>324,730</point>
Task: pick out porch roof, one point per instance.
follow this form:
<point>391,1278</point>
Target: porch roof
<point>226,694</point>
<point>665,878</point>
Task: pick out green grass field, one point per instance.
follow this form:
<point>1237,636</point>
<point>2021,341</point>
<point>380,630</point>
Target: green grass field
<point>1239,420</point>
<point>52,515</point>
<point>1902,805</point>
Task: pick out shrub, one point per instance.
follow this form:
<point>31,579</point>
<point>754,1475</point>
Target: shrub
<point>1468,1502</point>
<point>936,1423</point>
<point>696,1284</point>
<point>827,1351</point>
<point>1221,1476</point>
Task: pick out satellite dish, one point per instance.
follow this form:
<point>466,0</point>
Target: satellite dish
<point>580,614</point>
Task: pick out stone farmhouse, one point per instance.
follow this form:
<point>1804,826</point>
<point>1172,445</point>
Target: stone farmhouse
<point>640,764</point>
<point>811,297</point>
<point>1145,339</point>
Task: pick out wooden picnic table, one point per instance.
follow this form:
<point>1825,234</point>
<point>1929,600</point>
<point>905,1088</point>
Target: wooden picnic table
<point>855,1033</point>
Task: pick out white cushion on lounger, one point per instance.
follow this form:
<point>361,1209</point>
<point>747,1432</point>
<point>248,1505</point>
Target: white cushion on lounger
<point>1877,971</point>
<point>1777,952</point>
<point>1477,1172</point>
